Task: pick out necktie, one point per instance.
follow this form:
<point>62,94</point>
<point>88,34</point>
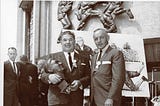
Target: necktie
<point>70,59</point>
<point>99,56</point>
<point>14,68</point>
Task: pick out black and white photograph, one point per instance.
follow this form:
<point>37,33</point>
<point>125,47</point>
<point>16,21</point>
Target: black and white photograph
<point>80,53</point>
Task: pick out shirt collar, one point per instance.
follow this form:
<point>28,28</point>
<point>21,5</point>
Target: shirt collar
<point>11,61</point>
<point>66,53</point>
<point>105,48</point>
<point>72,54</point>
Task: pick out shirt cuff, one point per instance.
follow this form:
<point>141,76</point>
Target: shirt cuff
<point>81,87</point>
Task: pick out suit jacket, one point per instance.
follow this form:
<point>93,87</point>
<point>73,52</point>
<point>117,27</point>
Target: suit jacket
<point>107,79</point>
<point>86,52</point>
<point>28,89</point>
<point>81,72</point>
<point>11,84</point>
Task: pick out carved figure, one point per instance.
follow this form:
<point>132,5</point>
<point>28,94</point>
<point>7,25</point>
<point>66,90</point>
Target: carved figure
<point>84,10</point>
<point>114,8</point>
<point>108,15</point>
<point>63,9</point>
<point>107,21</point>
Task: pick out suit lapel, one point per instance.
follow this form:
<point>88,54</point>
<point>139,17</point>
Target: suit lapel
<point>62,58</point>
<point>11,68</point>
<point>106,53</point>
<point>18,68</point>
<point>93,64</point>
<point>64,61</point>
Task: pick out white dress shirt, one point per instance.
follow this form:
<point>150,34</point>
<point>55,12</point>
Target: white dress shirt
<point>67,56</point>
<point>16,70</point>
<point>103,50</point>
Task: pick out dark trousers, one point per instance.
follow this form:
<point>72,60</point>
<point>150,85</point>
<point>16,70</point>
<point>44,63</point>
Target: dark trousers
<point>93,103</point>
<point>117,103</point>
<point>59,105</point>
<point>76,98</point>
<point>26,101</point>
<point>11,100</point>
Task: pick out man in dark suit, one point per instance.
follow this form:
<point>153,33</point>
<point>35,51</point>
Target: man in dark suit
<point>43,88</point>
<point>108,72</point>
<point>28,83</point>
<point>11,74</point>
<point>83,49</point>
<point>76,73</point>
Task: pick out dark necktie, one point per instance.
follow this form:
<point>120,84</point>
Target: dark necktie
<point>70,59</point>
<point>99,56</point>
<point>14,68</point>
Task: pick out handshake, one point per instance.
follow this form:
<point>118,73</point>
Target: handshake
<point>56,70</point>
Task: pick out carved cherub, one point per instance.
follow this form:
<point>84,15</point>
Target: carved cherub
<point>63,9</point>
<point>108,14</point>
<point>107,21</point>
<point>84,10</point>
<point>114,8</point>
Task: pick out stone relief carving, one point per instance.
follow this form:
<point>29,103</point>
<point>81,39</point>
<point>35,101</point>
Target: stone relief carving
<point>64,7</point>
<point>107,13</point>
<point>84,10</point>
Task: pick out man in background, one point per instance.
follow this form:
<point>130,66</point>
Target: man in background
<point>84,49</point>
<point>11,74</point>
<point>28,82</point>
<point>108,72</point>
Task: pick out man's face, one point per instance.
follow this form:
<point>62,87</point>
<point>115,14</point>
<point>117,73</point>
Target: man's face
<point>68,43</point>
<point>100,39</point>
<point>12,53</point>
<point>80,41</point>
<point>41,64</point>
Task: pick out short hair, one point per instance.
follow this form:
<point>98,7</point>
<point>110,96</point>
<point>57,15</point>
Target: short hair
<point>64,33</point>
<point>24,58</point>
<point>101,29</point>
<point>13,48</point>
<point>104,31</point>
<point>79,38</point>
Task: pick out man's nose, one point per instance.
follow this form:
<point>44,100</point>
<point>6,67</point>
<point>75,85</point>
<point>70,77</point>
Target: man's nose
<point>98,40</point>
<point>67,41</point>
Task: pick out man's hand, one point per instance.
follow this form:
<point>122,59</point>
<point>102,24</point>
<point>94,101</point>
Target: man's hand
<point>54,78</point>
<point>108,102</point>
<point>75,85</point>
<point>30,79</point>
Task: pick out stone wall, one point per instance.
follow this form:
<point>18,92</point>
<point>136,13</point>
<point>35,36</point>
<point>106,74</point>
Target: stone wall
<point>146,22</point>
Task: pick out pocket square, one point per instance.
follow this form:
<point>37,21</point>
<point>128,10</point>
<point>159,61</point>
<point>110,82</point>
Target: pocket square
<point>106,62</point>
<point>83,64</point>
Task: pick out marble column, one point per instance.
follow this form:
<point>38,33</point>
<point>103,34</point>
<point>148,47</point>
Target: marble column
<point>43,28</point>
<point>36,30</point>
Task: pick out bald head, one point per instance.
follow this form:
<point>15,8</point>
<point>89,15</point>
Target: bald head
<point>101,38</point>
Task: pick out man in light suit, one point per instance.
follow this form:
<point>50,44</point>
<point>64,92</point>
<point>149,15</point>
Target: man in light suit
<point>108,72</point>
<point>11,83</point>
<point>76,73</point>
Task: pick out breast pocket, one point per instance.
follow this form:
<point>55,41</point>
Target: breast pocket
<point>105,69</point>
